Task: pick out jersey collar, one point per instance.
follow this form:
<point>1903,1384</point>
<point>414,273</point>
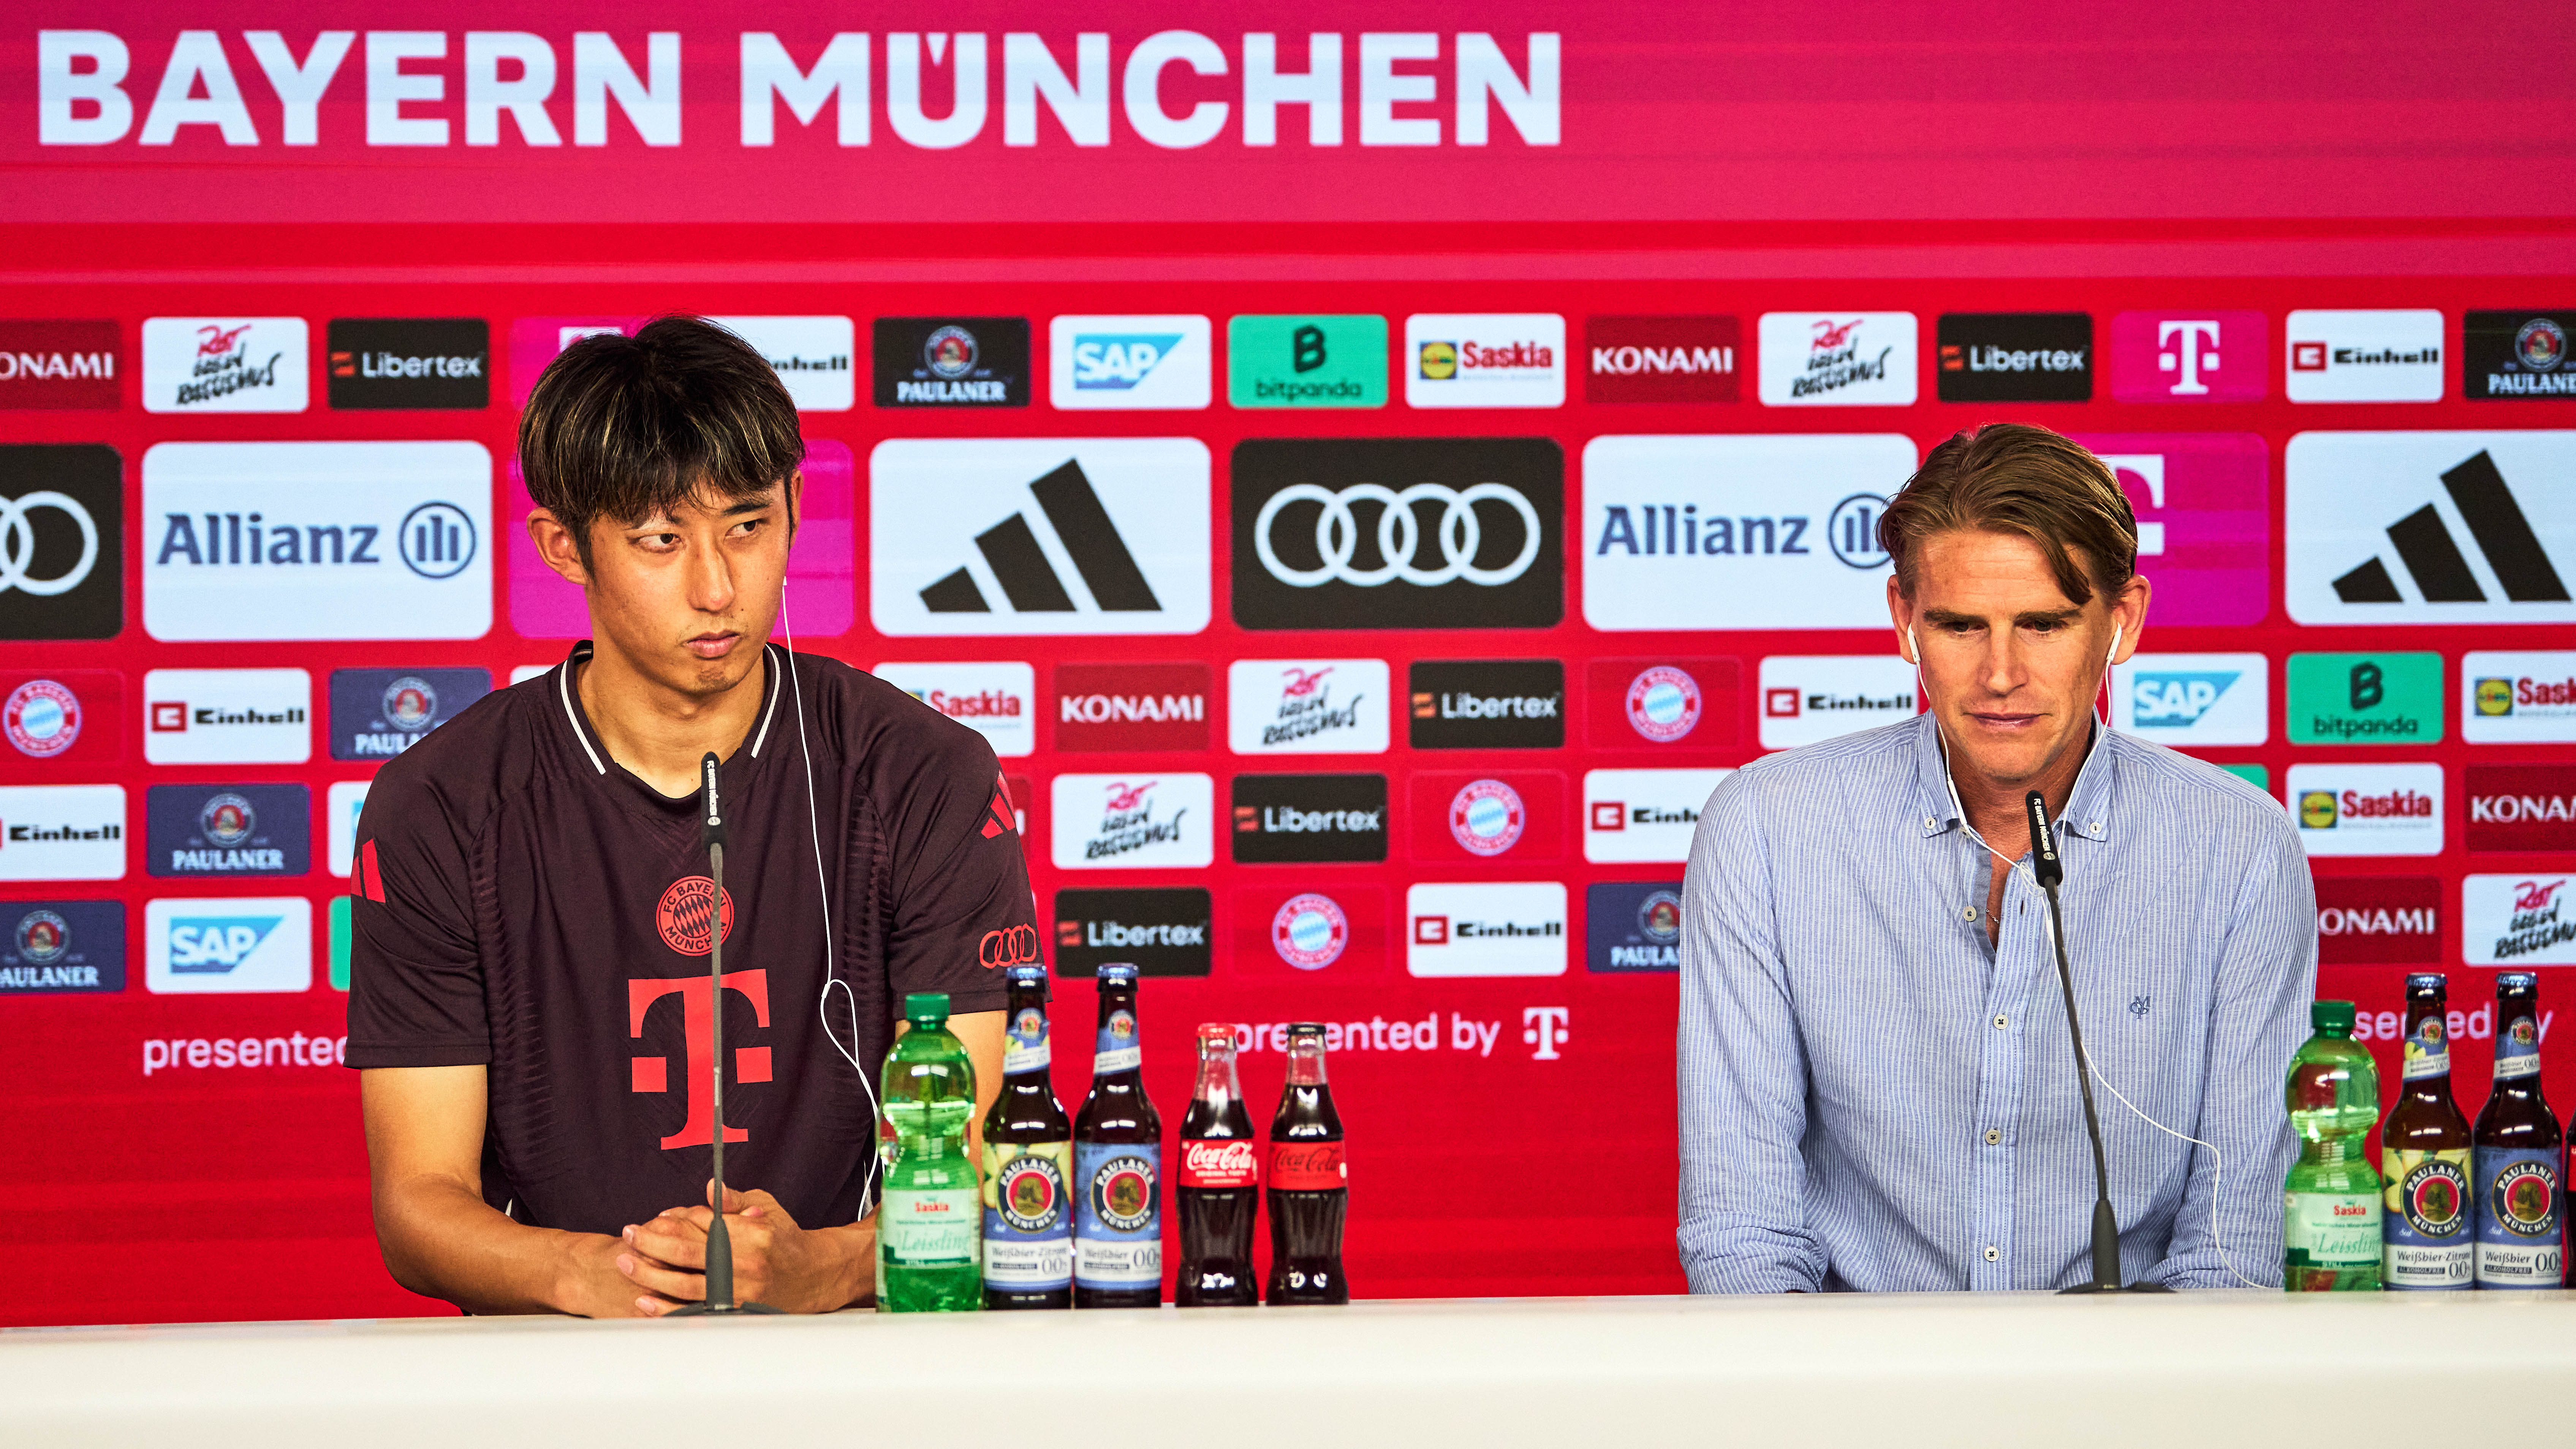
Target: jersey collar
<point>596,754</point>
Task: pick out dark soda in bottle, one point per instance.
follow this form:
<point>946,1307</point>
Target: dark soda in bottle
<point>1309,1187</point>
<point>1118,1164</point>
<point>1218,1184</point>
<point>1028,1165</point>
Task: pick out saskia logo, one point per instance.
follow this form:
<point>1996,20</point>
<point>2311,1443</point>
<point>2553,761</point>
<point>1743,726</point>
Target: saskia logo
<point>686,913</point>
<point>1009,946</point>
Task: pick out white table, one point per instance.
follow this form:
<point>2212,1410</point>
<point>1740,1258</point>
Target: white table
<point>2215,1369</point>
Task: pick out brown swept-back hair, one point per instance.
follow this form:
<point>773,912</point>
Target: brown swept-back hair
<point>631,427</point>
<point>2016,478</point>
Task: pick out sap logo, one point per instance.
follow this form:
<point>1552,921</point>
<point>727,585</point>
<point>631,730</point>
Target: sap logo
<point>214,945</point>
<point>1119,362</point>
<point>2175,700</point>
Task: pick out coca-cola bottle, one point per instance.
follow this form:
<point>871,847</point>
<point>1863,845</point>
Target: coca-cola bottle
<point>1309,1187</point>
<point>1118,1164</point>
<point>1219,1183</point>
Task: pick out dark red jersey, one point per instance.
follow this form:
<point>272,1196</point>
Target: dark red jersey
<point>525,904</point>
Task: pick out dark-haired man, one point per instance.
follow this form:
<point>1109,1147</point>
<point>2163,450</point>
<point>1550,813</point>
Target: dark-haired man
<point>1877,1085</point>
<point>529,1000</point>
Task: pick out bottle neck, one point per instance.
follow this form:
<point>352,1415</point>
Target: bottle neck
<point>1306,1064</point>
<point>1217,1085</point>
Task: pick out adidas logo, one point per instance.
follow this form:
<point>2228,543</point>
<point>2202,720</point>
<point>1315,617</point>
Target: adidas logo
<point>1028,580</point>
<point>2433,559</point>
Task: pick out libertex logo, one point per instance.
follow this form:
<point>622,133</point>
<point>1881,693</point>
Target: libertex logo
<point>651,1075</point>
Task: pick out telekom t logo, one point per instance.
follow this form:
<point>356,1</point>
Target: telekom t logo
<point>2190,357</point>
<point>1545,1027</point>
<point>697,1030</point>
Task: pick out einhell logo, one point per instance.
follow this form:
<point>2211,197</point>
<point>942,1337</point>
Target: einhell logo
<point>69,364</point>
<point>1162,932</point>
<point>1283,819</point>
<point>62,832</point>
<point>2015,357</point>
<point>2379,920</point>
<point>1132,706</point>
<point>2522,808</point>
<point>2383,355</point>
<point>410,362</point>
<point>1485,929</point>
<point>1660,359</point>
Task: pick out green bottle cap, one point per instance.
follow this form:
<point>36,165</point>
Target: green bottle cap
<point>926,1008</point>
<point>2334,1018</point>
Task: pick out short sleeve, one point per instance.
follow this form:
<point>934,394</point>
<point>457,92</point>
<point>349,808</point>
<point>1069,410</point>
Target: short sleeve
<point>962,905</point>
<point>416,994</point>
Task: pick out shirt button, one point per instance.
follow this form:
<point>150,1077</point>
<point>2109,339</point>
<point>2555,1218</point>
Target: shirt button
<point>1999,1022</point>
<point>2093,829</point>
<point>1994,1136</point>
<point>1969,914</point>
<point>1927,822</point>
<point>1991,1254</point>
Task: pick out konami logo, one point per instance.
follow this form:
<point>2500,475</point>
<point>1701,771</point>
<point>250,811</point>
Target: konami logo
<point>1132,706</point>
<point>2379,920</point>
<point>69,364</point>
<point>2522,807</point>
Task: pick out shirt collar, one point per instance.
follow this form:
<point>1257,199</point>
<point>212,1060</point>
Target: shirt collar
<point>2088,813</point>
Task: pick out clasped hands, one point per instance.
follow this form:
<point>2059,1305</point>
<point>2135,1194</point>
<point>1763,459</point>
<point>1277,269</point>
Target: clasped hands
<point>790,1268</point>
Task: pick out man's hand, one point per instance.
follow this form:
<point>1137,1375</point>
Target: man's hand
<point>796,1270</point>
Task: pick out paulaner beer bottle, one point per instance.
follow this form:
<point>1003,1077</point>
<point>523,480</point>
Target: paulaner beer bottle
<point>2514,1153</point>
<point>1309,1187</point>
<point>2330,1207</point>
<point>1118,1165</point>
<point>1028,1165</point>
<point>2424,1154</point>
<point>1219,1184</point>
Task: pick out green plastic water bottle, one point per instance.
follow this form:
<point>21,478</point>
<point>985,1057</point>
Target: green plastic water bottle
<point>2330,1207</point>
<point>930,1227</point>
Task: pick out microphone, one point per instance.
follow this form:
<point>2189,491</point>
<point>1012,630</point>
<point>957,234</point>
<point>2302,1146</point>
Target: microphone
<point>711,834</point>
<point>2051,869</point>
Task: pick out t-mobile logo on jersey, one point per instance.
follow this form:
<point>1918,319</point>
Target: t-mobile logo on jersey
<point>697,1032</point>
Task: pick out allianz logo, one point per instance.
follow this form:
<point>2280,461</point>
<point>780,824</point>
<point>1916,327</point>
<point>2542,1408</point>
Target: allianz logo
<point>436,540</point>
<point>214,945</point>
<point>2178,699</point>
<point>1160,933</point>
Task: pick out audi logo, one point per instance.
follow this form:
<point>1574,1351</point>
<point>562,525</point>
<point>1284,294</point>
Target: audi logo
<point>1009,946</point>
<point>18,543</point>
<point>1459,534</point>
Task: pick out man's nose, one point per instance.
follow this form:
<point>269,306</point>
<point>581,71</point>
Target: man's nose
<point>710,581</point>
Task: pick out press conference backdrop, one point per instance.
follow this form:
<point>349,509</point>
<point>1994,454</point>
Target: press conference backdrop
<point>1439,459</point>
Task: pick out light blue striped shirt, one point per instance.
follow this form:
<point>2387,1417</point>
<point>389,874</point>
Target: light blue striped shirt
<point>1874,1098</point>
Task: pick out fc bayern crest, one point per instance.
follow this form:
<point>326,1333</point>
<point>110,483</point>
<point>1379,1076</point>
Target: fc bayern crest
<point>1310,932</point>
<point>1663,704</point>
<point>227,820</point>
<point>41,718</point>
<point>1659,918</point>
<point>686,913</point>
<point>1487,817</point>
<point>410,703</point>
<point>2541,344</point>
<point>949,352</point>
<point>42,937</point>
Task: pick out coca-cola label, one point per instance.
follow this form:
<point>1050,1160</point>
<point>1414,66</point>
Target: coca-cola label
<point>1307,1166</point>
<point>1231,1162</point>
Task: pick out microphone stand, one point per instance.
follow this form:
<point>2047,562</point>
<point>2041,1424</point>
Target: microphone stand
<point>719,1299</point>
<point>2046,865</point>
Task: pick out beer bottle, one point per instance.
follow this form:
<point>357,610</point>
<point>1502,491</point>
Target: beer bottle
<point>1118,1165</point>
<point>2514,1154</point>
<point>1218,1185</point>
<point>1309,1186</point>
<point>1028,1161</point>
<point>2424,1155</point>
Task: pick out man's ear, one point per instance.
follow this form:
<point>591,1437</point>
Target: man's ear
<point>795,501</point>
<point>557,546</point>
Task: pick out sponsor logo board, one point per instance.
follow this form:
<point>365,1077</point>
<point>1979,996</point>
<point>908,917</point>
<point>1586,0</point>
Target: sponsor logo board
<point>2190,357</point>
<point>2518,697</point>
<point>952,362</point>
<point>1487,704</point>
<point>2190,700</point>
<point>228,830</point>
<point>811,355</point>
<point>1660,359</point>
<point>1631,926</point>
<point>1632,816</point>
<point>343,805</point>
<point>227,716</point>
<point>1307,706</point>
<point>1398,533</point>
<point>379,713</point>
<point>2365,699</point>
<point>1484,360</point>
<point>1501,928</point>
<point>2518,920</point>
<point>317,541</point>
<point>1302,931</point>
<point>1838,359</point>
<point>64,717</point>
<point>1162,706</point>
<point>2519,355</point>
<point>1130,362</point>
<point>62,832</point>
<point>2521,808</point>
<point>2367,809</point>
<point>1773,531</point>
<point>1806,698</point>
<point>2379,355</point>
<point>408,362</point>
<point>1304,819</point>
<point>225,365</point>
<point>2204,508</point>
<point>2372,920</point>
<point>1306,362</point>
<point>2014,357</point>
<point>1458,816</point>
<point>986,536</point>
<point>62,541</point>
<point>996,700</point>
<point>60,364</point>
<point>2431,528</point>
<point>1160,932</point>
<point>1136,821</point>
<point>1639,703</point>
<point>55,948</point>
<point>228,944</point>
